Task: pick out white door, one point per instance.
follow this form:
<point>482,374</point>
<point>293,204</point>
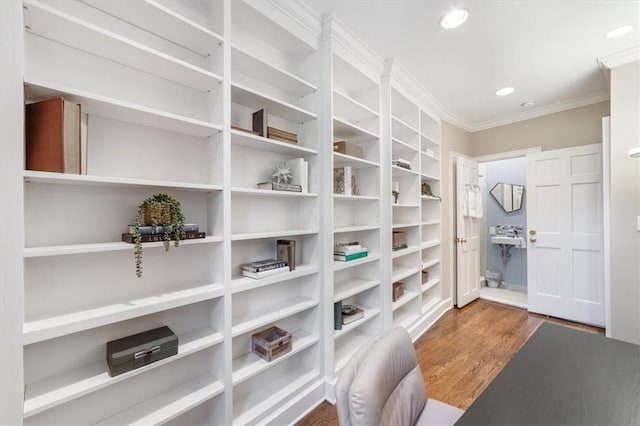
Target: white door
<point>565,275</point>
<point>467,237</point>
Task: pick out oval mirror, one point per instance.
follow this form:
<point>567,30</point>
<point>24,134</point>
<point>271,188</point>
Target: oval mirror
<point>508,195</point>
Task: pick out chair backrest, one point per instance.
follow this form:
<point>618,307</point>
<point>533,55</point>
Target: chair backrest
<point>382,383</point>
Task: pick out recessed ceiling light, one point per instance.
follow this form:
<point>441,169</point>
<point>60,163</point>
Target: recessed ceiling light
<point>505,91</point>
<point>620,31</point>
<point>454,19</point>
<point>528,104</point>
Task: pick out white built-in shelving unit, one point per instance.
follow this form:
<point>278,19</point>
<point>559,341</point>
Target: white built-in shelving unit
<point>165,90</point>
<point>356,117</point>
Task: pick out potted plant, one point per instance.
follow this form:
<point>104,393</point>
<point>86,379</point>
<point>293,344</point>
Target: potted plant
<point>396,195</point>
<point>160,209</point>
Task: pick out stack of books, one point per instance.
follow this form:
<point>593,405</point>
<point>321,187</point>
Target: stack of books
<point>281,135</point>
<point>346,252</point>
<point>277,186</point>
<point>351,313</point>
<point>264,268</point>
<point>400,162</point>
<point>151,234</point>
<point>286,251</point>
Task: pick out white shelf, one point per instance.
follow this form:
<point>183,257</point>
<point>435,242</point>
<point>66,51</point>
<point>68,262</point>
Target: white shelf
<point>400,147</point>
<point>400,127</point>
<point>401,171</point>
<point>163,22</point>
<point>47,328</point>
<point>343,229</point>
<point>241,283</point>
<point>429,156</point>
<point>427,197</point>
<point>248,321</point>
<point>369,314</point>
<point>272,234</point>
<point>430,263</point>
<point>56,25</point>
<point>248,97</point>
<point>31,176</point>
<point>72,249</point>
<point>404,318</point>
<point>405,225</point>
<point>430,304</point>
<point>250,65</point>
<point>343,197</point>
<point>407,297</point>
<point>351,287</point>
<point>429,140</point>
<point>405,205</point>
<point>250,364</point>
<point>119,110</point>
<point>400,272</point>
<point>341,160</point>
<point>430,223</point>
<point>286,393</point>
<point>56,390</point>
<point>429,285</point>
<point>431,243</point>
<point>343,129</point>
<point>252,141</point>
<point>427,176</point>
<point>338,265</point>
<point>398,253</point>
<point>271,193</point>
<point>346,351</point>
<point>169,404</point>
<point>357,111</point>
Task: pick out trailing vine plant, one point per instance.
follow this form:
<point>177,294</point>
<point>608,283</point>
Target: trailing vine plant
<point>171,219</point>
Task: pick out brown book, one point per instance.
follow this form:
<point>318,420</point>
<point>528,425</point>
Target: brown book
<point>52,134</point>
<point>281,133</point>
<point>260,122</point>
<point>280,139</point>
<point>129,238</point>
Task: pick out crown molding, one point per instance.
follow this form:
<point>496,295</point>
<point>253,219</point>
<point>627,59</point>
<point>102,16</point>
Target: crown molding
<point>335,30</point>
<point>620,58</point>
<point>539,112</point>
<point>305,18</point>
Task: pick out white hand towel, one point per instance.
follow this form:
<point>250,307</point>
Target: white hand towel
<point>477,204</point>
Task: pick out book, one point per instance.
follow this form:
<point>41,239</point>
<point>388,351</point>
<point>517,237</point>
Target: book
<point>130,238</point>
<point>276,186</point>
<point>286,251</point>
<point>350,257</point>
<point>404,166</point>
<point>263,265</point>
<point>52,136</point>
<point>344,182</point>
<point>348,244</point>
<point>259,122</point>
<point>399,247</point>
<point>337,315</point>
<point>150,230</point>
<point>300,171</point>
<point>348,251</point>
<point>262,274</point>
<point>281,133</point>
<point>281,139</point>
<point>351,313</point>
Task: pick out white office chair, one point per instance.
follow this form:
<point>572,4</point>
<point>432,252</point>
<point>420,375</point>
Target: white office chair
<point>382,385</point>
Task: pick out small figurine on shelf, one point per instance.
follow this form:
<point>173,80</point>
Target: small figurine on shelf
<point>282,174</point>
<point>426,190</point>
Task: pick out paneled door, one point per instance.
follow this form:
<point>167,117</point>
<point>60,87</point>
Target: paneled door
<point>467,238</point>
<point>565,226</point>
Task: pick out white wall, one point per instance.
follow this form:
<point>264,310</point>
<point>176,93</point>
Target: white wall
<point>625,203</point>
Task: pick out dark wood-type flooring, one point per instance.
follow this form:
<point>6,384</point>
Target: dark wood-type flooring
<point>463,352</point>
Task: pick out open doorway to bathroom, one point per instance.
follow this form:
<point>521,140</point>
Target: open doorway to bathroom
<point>503,224</point>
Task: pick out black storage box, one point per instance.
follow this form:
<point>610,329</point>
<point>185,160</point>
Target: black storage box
<point>131,352</point>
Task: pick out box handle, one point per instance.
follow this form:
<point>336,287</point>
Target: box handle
<point>146,352</point>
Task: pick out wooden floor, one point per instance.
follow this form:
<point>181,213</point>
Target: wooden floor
<point>463,352</point>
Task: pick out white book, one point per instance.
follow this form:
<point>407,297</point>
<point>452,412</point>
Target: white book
<point>348,189</point>
<point>268,273</point>
<point>300,171</point>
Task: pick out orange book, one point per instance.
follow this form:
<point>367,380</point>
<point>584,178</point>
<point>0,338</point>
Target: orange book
<point>52,133</point>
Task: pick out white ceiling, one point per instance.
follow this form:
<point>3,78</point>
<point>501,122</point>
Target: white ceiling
<point>547,50</point>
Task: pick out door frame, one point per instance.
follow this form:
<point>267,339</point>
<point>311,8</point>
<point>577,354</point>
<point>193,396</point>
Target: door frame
<point>451,232</point>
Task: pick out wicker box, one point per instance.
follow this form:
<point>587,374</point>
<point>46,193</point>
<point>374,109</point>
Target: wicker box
<point>271,343</point>
<point>425,276</point>
<point>398,290</point>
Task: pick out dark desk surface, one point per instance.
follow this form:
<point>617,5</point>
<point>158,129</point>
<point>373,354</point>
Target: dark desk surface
<point>563,376</point>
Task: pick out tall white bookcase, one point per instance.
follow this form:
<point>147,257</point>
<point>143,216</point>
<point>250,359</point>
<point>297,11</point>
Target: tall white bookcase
<point>165,89</point>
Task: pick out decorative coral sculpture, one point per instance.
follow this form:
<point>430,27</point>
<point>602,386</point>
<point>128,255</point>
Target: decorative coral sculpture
<point>283,174</point>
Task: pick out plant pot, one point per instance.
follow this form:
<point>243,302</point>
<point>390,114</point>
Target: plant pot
<point>160,208</point>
